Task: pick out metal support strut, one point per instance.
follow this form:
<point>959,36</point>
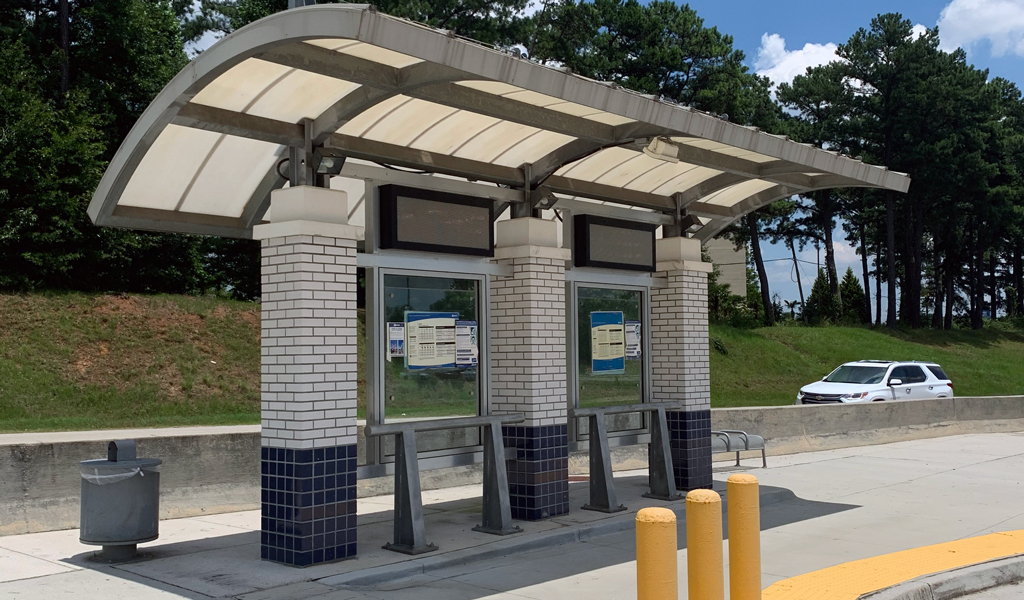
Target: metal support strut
<point>497,510</point>
<point>602,485</point>
<point>409,530</point>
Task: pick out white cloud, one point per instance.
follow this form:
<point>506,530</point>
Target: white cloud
<point>918,30</point>
<point>781,65</point>
<point>964,23</point>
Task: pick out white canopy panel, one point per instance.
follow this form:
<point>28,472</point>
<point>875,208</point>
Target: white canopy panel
<point>208,151</point>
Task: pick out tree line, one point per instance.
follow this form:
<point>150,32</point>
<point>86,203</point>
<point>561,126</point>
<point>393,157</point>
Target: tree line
<point>76,74</point>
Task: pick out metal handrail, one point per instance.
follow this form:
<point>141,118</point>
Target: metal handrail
<point>440,424</point>
<point>662,476</point>
<point>409,533</point>
<point>624,408</point>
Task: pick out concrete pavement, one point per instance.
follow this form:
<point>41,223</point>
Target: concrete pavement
<point>851,503</point>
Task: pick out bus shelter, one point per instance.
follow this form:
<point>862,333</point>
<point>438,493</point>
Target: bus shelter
<point>450,230</point>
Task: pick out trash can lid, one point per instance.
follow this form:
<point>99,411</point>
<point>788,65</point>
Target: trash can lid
<point>104,464</point>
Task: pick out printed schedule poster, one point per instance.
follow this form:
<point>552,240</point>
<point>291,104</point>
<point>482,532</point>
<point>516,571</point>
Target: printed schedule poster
<point>607,343</point>
<point>430,340</point>
<point>633,339</point>
<point>467,353</point>
<point>396,340</point>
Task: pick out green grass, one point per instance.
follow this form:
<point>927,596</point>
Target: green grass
<point>767,366</point>
<point>80,361</point>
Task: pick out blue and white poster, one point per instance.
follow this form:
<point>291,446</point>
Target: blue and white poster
<point>607,343</point>
<point>633,339</point>
<point>430,340</point>
<point>467,353</point>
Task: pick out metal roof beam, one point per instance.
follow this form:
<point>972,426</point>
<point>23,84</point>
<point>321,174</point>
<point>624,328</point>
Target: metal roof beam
<point>382,152</point>
<point>209,118</point>
<point>597,191</point>
<point>498,107</point>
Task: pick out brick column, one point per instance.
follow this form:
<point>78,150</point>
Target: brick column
<point>528,364</point>
<point>308,378</point>
<point>681,370</point>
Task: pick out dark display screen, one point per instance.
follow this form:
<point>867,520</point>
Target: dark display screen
<point>430,221</point>
<point>613,244</point>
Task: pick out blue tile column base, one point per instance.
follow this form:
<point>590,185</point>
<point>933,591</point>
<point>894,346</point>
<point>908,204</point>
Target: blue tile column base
<point>538,478</point>
<point>690,433</point>
<point>309,505</point>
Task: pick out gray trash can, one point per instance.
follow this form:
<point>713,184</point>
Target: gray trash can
<point>120,501</point>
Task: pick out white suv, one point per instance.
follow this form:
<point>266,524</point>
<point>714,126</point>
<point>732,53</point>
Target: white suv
<point>878,380</point>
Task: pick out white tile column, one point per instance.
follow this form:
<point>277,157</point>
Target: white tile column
<point>308,377</point>
<point>528,364</point>
<point>681,368</point>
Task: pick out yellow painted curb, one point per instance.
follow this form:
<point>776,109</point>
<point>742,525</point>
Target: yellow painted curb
<point>851,580</point>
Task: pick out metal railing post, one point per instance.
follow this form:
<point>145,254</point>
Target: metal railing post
<point>663,481</point>
<point>602,487</point>
<point>410,535</point>
<point>497,509</point>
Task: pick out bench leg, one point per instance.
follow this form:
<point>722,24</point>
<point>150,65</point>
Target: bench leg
<point>764,459</point>
<point>497,510</point>
<point>663,481</point>
<point>602,482</point>
<point>409,537</point>
<point>737,458</point>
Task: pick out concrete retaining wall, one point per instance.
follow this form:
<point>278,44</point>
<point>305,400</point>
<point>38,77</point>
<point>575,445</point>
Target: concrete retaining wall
<point>790,429</point>
<point>210,470</point>
<point>206,470</point>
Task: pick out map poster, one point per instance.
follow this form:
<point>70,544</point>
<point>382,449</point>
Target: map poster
<point>467,352</point>
<point>430,340</point>
<point>396,340</point>
<point>607,343</point>
<point>633,339</point>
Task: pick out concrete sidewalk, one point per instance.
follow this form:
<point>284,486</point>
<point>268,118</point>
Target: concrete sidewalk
<point>850,504</point>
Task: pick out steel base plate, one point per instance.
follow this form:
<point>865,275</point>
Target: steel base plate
<point>406,549</point>
<point>493,531</point>
<point>665,498</point>
<point>603,509</point>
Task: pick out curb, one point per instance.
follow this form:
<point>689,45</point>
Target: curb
<point>956,583</point>
<point>517,544</point>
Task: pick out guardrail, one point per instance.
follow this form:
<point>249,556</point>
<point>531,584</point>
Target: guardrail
<point>602,486</point>
<point>410,531</point>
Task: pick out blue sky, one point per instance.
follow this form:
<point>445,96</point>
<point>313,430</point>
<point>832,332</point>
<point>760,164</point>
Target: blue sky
<point>781,39</point>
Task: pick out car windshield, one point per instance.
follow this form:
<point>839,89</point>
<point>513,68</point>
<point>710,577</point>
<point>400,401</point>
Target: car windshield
<point>854,374</point>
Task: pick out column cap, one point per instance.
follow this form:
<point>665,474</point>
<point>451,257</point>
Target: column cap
<point>308,210</point>
<point>679,254</point>
<point>528,237</point>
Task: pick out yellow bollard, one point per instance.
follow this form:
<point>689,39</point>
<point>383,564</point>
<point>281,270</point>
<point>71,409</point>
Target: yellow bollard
<point>744,538</point>
<point>656,570</point>
<point>704,545</point>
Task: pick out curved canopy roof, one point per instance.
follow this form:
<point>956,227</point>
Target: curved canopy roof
<point>204,156</point>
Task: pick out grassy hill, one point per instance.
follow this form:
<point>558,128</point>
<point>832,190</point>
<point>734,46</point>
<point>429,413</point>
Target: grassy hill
<point>767,366</point>
<point>78,361</point>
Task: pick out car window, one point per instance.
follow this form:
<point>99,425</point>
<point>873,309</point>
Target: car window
<point>911,374</point>
<point>855,374</point>
<point>897,373</point>
<point>937,372</point>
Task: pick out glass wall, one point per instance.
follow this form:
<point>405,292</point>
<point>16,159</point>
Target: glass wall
<point>431,355</point>
<point>609,356</point>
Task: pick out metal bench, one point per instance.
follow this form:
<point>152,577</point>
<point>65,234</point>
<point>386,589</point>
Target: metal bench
<point>409,535</point>
<point>724,441</point>
<point>602,486</point>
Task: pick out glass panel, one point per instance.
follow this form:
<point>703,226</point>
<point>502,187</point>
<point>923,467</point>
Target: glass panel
<point>361,364</point>
<point>610,317</point>
<point>433,348</point>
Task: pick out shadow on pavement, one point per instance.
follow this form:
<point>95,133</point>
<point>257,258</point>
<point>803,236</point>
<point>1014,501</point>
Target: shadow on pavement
<point>228,566</point>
